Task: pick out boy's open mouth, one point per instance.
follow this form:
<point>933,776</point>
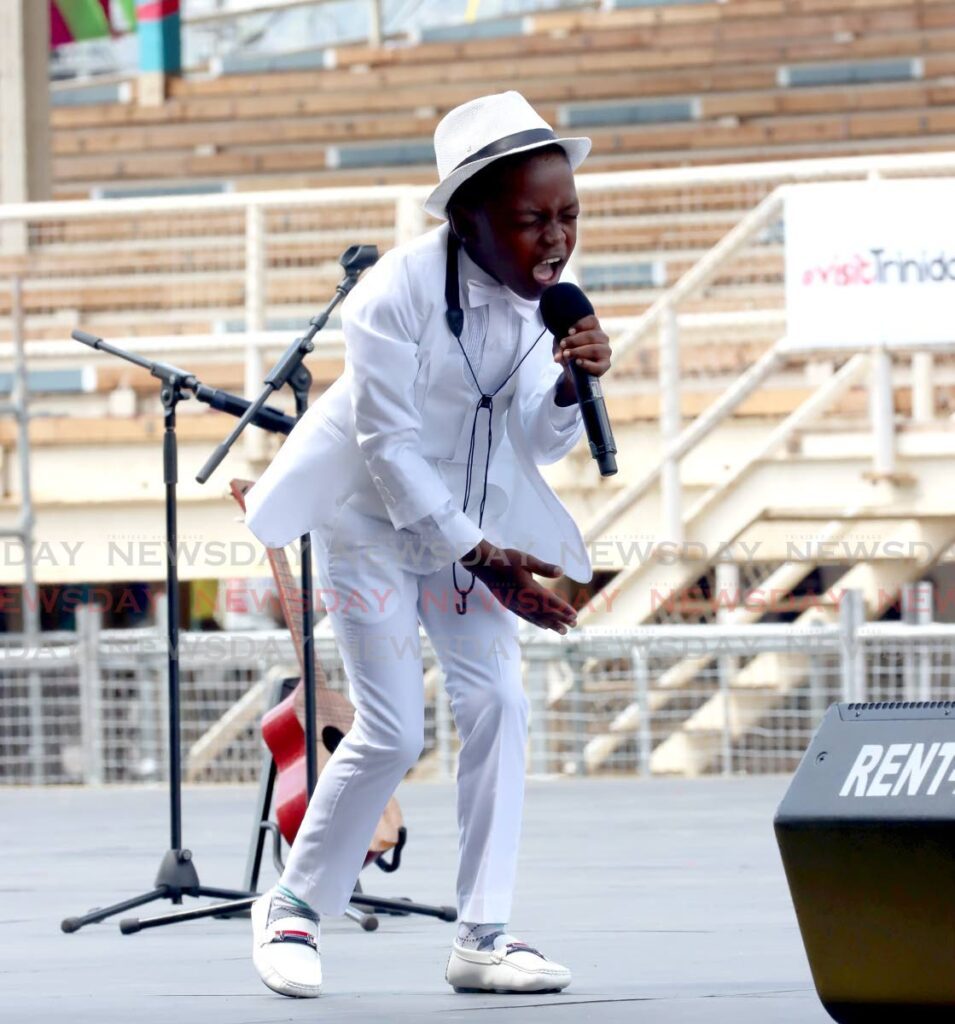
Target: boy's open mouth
<point>547,271</point>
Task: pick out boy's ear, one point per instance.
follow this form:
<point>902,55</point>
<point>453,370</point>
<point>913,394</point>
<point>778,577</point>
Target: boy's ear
<point>461,222</point>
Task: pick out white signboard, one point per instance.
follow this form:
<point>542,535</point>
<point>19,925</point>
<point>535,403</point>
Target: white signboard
<point>870,262</point>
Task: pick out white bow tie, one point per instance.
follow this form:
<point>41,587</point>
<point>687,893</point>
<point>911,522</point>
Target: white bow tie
<point>480,293</point>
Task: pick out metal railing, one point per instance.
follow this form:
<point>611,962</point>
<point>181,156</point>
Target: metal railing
<point>676,260</point>
<point>663,317</point>
<point>101,703</point>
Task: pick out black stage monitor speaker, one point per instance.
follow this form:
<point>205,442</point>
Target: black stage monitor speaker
<point>867,836</point>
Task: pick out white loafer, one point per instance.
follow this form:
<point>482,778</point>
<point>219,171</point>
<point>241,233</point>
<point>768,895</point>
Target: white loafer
<point>286,952</point>
<point>510,966</point>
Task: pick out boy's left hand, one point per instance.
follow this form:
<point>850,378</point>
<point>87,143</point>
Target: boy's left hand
<point>585,344</point>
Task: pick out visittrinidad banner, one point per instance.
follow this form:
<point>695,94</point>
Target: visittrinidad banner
<point>870,262</point>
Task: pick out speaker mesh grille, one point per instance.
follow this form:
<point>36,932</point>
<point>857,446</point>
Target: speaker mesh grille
<point>904,705</point>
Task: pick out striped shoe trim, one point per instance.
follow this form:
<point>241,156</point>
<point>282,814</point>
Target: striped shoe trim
<point>522,947</point>
<point>302,938</point>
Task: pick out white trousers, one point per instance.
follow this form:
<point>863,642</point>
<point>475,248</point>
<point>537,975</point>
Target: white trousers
<point>375,606</point>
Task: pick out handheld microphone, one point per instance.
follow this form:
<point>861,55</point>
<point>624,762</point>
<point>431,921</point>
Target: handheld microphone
<point>562,305</point>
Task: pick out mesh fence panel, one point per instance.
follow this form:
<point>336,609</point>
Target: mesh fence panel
<point>920,669</point>
<point>666,700</point>
<point>41,717</point>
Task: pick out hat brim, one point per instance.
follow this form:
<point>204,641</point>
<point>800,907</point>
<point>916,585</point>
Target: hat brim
<point>436,203</point>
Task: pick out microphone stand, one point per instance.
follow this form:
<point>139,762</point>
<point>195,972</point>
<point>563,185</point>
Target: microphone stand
<point>177,876</point>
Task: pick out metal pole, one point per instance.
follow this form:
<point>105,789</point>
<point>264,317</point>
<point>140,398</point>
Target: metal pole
<point>374,31</point>
<point>924,603</point>
<point>851,617</point>
<point>170,478</point>
<point>909,679</point>
<point>25,152</point>
<point>579,722</point>
<point>727,591</point>
<point>641,682</point>
<point>817,702</point>
<point>88,618</point>
<point>923,387</point>
<point>308,613</point>
<point>537,690</point>
<point>882,413</point>
<point>669,377</point>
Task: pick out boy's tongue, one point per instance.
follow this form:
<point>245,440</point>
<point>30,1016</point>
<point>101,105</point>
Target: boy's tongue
<point>544,273</point>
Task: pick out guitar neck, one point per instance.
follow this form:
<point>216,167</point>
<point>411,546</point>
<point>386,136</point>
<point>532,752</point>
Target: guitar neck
<point>291,597</point>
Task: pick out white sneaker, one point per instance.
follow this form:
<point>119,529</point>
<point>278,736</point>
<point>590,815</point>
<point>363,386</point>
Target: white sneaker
<point>285,947</point>
<point>507,966</point>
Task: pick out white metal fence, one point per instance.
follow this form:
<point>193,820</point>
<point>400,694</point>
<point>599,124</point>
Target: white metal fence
<point>219,263</point>
<point>91,706</point>
<point>685,266</point>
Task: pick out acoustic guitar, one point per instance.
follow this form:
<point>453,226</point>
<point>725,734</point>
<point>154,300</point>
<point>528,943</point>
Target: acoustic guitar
<point>283,727</point>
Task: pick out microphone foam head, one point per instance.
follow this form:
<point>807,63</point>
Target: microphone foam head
<point>562,305</point>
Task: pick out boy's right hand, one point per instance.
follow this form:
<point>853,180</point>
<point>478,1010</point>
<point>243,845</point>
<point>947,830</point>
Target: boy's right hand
<point>509,574</point>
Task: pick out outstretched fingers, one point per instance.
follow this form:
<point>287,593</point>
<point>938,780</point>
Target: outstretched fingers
<point>552,611</point>
<point>540,567</point>
<point>546,609</point>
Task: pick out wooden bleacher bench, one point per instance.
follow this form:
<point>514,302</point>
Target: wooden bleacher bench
<point>631,148</point>
<point>277,130</point>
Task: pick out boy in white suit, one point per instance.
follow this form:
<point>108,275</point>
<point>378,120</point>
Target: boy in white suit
<point>417,473</point>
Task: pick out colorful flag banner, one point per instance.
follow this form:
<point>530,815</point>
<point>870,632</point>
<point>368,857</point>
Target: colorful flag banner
<point>72,21</point>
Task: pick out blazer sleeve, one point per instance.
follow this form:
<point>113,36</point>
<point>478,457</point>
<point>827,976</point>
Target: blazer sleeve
<point>551,429</point>
<point>382,326</point>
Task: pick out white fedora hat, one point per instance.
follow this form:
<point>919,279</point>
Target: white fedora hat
<point>481,131</point>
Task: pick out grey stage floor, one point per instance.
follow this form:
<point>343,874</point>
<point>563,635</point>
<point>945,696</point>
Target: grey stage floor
<point>666,898</point>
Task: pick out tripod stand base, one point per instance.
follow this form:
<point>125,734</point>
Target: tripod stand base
<point>177,877</point>
<point>360,902</point>
<point>402,907</point>
<point>233,908</point>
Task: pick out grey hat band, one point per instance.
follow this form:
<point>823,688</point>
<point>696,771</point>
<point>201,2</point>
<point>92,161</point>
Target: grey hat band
<point>501,146</point>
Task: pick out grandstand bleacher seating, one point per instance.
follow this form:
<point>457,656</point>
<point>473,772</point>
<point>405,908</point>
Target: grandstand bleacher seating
<point>655,86</point>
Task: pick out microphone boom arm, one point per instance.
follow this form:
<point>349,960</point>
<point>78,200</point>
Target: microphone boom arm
<point>354,260</point>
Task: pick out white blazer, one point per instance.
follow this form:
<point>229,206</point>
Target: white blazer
<point>400,415</point>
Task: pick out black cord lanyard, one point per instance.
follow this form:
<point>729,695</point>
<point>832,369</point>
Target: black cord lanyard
<point>455,318</point>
